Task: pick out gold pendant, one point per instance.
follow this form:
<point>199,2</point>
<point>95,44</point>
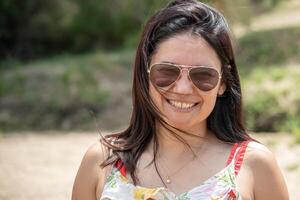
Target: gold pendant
<point>168,181</point>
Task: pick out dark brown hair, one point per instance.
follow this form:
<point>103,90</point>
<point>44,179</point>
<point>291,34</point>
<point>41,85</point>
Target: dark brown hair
<point>225,121</point>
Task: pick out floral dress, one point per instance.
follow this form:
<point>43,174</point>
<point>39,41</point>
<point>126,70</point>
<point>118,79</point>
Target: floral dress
<point>220,186</point>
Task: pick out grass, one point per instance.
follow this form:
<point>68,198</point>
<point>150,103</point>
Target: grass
<point>60,93</point>
<point>272,98</point>
<point>268,47</point>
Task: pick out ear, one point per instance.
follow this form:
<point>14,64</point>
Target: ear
<point>222,89</point>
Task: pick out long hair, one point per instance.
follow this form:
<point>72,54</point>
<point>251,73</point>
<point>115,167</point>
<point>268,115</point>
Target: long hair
<point>226,119</point>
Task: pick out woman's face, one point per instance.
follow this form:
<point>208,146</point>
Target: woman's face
<point>191,50</point>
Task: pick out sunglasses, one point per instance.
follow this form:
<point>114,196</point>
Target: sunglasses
<point>165,74</point>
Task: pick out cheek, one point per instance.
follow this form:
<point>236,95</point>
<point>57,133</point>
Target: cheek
<point>210,104</point>
<point>155,95</point>
<point>209,101</point>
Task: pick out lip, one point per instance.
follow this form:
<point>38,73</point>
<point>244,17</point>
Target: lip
<point>184,110</point>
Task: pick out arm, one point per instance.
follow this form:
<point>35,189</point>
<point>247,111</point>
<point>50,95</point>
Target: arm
<point>268,179</point>
<point>90,177</point>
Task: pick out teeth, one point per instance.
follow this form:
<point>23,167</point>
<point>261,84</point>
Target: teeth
<point>181,105</point>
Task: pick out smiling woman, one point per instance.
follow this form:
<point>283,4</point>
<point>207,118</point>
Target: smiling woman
<point>187,101</point>
<point>186,138</point>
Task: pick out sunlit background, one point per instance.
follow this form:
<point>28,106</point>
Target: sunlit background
<point>66,73</point>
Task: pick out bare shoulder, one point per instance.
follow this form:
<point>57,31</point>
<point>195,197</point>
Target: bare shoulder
<point>257,151</point>
<point>96,153</point>
<point>267,176</point>
<point>90,176</point>
<point>259,157</point>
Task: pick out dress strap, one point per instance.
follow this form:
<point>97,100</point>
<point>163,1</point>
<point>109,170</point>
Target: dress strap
<point>121,167</point>
<point>233,149</point>
<point>238,160</point>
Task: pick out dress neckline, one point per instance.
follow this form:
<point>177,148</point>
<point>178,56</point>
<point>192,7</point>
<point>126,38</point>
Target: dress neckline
<point>182,193</point>
<point>234,162</point>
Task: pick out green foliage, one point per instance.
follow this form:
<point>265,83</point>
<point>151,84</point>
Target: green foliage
<point>64,92</point>
<point>269,47</point>
<point>264,5</point>
<point>243,11</point>
<point>272,99</point>
<point>32,28</point>
<point>59,93</point>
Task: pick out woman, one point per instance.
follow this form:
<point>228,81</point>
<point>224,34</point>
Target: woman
<point>186,138</point>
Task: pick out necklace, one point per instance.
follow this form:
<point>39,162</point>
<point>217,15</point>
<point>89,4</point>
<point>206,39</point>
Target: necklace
<point>168,176</point>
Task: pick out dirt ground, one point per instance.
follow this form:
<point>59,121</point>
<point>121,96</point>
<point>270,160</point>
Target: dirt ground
<point>43,166</point>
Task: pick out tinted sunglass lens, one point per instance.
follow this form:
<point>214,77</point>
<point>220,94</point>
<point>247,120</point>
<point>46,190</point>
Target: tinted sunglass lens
<point>204,78</point>
<point>163,75</point>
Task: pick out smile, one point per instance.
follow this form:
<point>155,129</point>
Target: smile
<point>181,105</point>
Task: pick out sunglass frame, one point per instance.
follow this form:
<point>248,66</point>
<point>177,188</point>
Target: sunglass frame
<point>186,67</point>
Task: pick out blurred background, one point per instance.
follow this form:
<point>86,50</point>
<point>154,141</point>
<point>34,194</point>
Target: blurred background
<point>66,73</point>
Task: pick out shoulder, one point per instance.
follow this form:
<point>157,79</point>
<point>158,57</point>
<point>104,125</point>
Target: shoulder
<point>93,157</point>
<point>96,153</point>
<point>90,176</point>
<point>259,152</point>
<point>259,157</point>
<point>268,181</point>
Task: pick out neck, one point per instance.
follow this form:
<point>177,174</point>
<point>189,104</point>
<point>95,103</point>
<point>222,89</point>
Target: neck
<point>171,146</point>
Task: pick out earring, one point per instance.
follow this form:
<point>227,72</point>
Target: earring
<point>221,95</point>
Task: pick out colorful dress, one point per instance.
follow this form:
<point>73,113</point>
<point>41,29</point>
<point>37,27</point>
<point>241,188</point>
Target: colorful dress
<point>220,186</point>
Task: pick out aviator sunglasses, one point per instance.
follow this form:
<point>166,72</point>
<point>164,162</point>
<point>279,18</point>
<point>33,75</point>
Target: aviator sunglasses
<point>204,78</point>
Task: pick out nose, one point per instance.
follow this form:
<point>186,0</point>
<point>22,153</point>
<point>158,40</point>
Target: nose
<point>183,85</point>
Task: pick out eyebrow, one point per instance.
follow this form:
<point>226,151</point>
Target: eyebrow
<point>168,62</point>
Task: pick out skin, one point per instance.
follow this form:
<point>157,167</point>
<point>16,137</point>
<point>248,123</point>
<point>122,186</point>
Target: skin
<point>259,165</point>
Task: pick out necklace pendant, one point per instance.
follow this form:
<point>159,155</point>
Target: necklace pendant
<point>168,181</point>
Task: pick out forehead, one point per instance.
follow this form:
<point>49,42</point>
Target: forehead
<point>186,49</point>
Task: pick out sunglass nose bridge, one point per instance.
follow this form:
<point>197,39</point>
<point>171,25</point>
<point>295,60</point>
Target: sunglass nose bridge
<point>185,76</point>
<point>187,69</point>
